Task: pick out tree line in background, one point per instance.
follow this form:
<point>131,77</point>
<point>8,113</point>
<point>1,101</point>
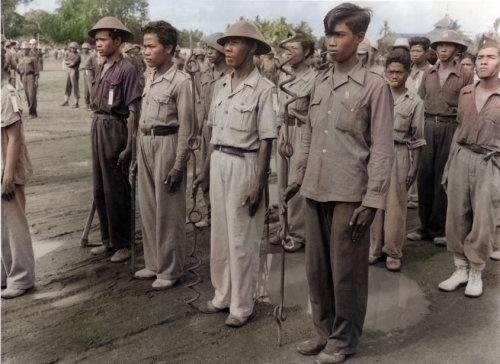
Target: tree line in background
<point>73,18</point>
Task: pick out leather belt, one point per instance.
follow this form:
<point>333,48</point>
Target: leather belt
<point>239,152</point>
<point>441,119</point>
<point>160,130</point>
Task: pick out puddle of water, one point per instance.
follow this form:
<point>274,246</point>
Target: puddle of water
<point>394,300</point>
<point>44,247</point>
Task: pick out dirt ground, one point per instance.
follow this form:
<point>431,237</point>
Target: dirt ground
<point>86,309</point>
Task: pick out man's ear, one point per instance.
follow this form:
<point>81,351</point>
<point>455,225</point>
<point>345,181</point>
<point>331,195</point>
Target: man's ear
<point>170,49</point>
<point>361,36</point>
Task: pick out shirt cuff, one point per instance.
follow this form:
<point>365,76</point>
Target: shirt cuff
<point>414,144</point>
<point>374,200</point>
<point>267,134</point>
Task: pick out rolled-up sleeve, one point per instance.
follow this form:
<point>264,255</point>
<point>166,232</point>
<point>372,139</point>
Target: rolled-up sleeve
<point>382,148</point>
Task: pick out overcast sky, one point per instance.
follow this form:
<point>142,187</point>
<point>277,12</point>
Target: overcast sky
<point>403,16</point>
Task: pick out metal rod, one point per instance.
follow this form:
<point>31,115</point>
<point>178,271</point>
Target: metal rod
<point>88,224</point>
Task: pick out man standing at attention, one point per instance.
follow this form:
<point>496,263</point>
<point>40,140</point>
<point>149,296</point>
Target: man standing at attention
<point>162,145</point>
<point>88,66</point>
<point>343,172</point>
<point>439,89</point>
<point>72,61</point>
<point>473,175</point>
<point>115,100</point>
<point>242,118</point>
<point>216,70</point>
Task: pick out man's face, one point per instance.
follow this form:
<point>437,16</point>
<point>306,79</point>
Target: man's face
<point>396,75</point>
<point>488,63</point>
<point>342,43</point>
<point>72,49</point>
<point>105,45</point>
<point>155,53</point>
<point>85,50</point>
<point>467,64</point>
<point>236,50</point>
<point>26,51</point>
<point>446,51</point>
<point>417,54</point>
<point>213,54</point>
<point>295,53</point>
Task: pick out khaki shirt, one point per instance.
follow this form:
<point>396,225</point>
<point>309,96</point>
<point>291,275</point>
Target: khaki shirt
<point>478,128</point>
<point>72,60</point>
<point>27,65</point>
<point>167,101</point>
<point>409,120</point>
<point>302,87</point>
<point>415,78</point>
<point>443,101</point>
<point>11,114</point>
<point>243,117</point>
<point>347,154</point>
<point>207,81</point>
<point>88,61</point>
<point>113,91</point>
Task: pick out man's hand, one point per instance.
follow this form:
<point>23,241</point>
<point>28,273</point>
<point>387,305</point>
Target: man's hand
<point>360,221</point>
<point>201,181</point>
<point>289,192</point>
<point>124,160</point>
<point>254,198</point>
<point>412,174</point>
<point>173,180</point>
<point>8,188</point>
<point>281,138</point>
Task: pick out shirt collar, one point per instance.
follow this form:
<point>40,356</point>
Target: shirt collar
<point>168,75</point>
<point>455,70</point>
<point>357,74</point>
<point>472,89</point>
<point>251,79</point>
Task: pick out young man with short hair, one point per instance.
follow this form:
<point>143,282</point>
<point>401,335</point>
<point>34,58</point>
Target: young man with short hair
<point>115,101</point>
<point>473,175</point>
<point>343,171</point>
<point>439,89</point>
<point>388,231</point>
<point>162,144</point>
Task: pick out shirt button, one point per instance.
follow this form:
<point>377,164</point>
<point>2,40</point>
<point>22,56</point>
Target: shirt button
<point>324,150</point>
<point>352,110</point>
<point>326,131</point>
<point>329,112</point>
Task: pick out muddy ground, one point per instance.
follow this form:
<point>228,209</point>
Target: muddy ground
<point>85,309</point>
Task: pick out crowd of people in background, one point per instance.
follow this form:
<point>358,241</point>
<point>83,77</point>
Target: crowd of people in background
<point>372,135</point>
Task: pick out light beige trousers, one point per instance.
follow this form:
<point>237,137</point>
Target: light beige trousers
<point>235,236</point>
<point>473,196</point>
<point>18,262</point>
<point>388,230</point>
<point>163,214</point>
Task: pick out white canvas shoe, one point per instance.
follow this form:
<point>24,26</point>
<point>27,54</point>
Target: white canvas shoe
<point>144,274</point>
<point>459,277</point>
<point>160,284</point>
<point>475,285</point>
<point>495,255</point>
<point>13,292</point>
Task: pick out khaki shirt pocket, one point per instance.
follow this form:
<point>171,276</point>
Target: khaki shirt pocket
<point>163,106</point>
<point>353,117</point>
<point>215,113</point>
<point>242,118</point>
<point>314,112</point>
<point>402,120</point>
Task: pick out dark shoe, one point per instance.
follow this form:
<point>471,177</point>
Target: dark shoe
<point>312,346</point>
<point>324,358</point>
<point>208,308</point>
<point>234,321</point>
<point>65,103</point>
<point>75,106</point>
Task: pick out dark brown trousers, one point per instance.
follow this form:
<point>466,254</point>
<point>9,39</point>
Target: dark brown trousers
<point>337,272</point>
<point>111,186</point>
